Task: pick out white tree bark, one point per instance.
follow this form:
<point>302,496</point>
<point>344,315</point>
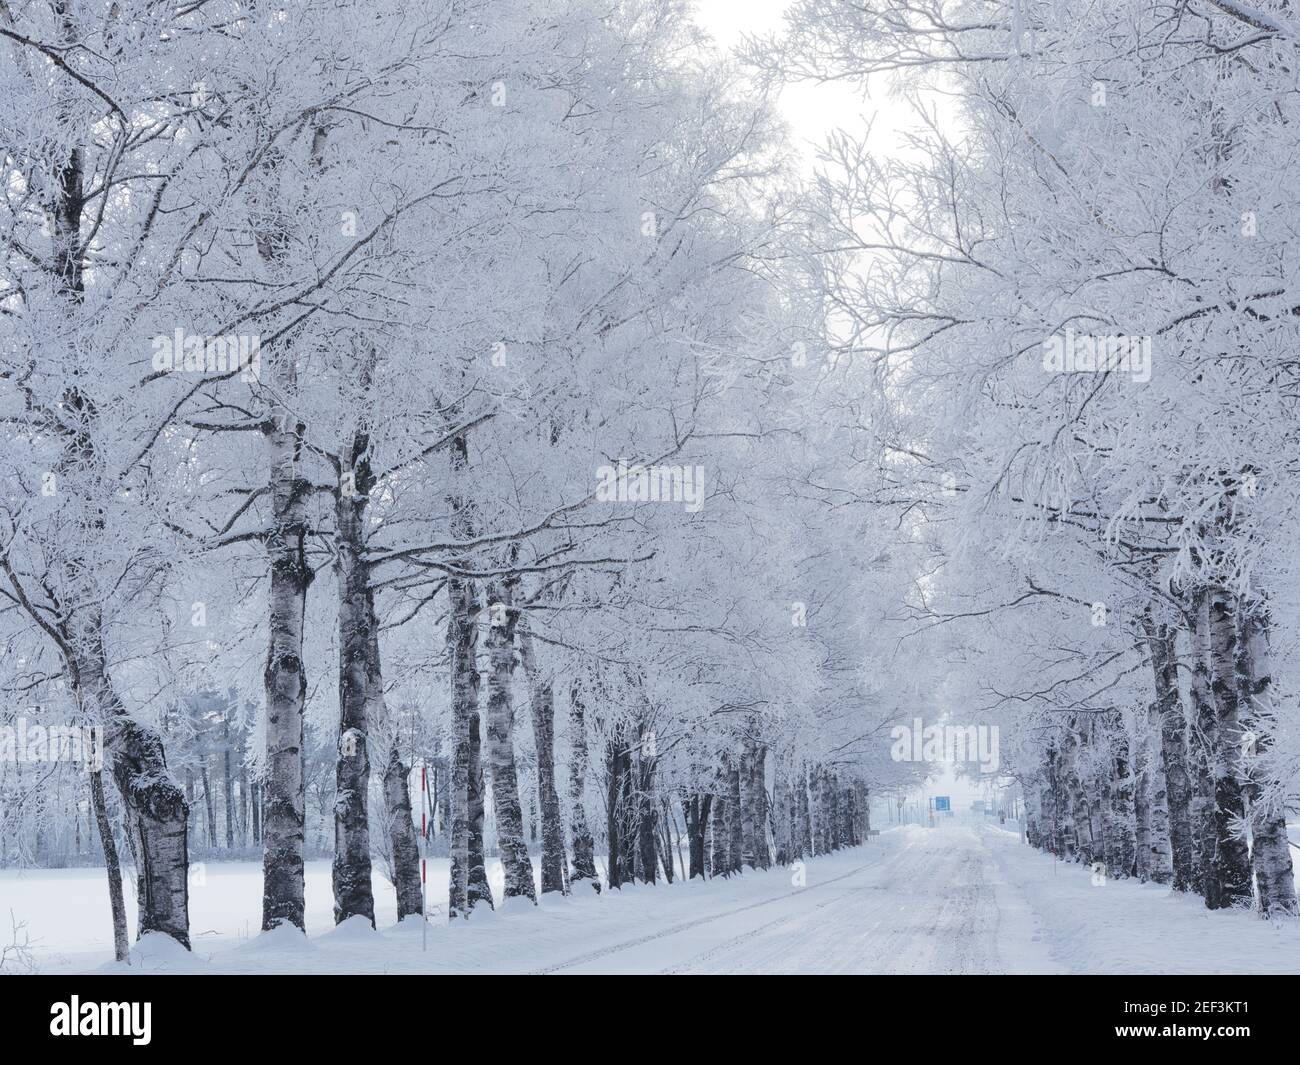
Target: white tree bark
<point>517,865</point>
<point>542,706</point>
<point>1270,852</point>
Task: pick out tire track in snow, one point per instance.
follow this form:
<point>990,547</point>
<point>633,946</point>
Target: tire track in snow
<point>870,915</point>
<point>753,933</point>
<point>884,926</point>
<point>685,926</point>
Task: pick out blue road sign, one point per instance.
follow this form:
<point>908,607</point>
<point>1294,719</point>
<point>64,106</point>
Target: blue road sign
<point>941,803</point>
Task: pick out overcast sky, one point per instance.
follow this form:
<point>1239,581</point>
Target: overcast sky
<point>813,111</point>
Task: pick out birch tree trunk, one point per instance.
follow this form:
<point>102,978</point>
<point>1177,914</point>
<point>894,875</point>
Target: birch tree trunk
<point>209,807</point>
<point>1054,814</point>
<point>1084,811</point>
<point>245,804</point>
<point>762,856</point>
<point>863,806</point>
<point>584,847</point>
<point>1047,805</point>
<point>1228,879</point>
<point>1096,790</point>
<point>255,810</point>
<point>646,808</point>
<point>1201,743</point>
<point>480,891</point>
<point>1121,846</point>
<point>154,808</point>
<point>818,811</point>
<point>696,810</point>
<point>669,839</point>
<point>821,797</point>
<point>849,815</point>
<point>748,810</point>
<point>625,809</point>
<point>621,826</point>
<point>113,867</point>
<point>542,704</point>
<point>1174,757</point>
<point>399,825</point>
<point>1158,853</point>
<point>831,785</point>
<point>468,885</point>
<point>227,778</point>
<point>1064,834</point>
<point>1142,850</point>
<point>464,692</point>
<point>1033,814</point>
<point>803,828</point>
<point>468,876</point>
<point>1270,852</point>
<point>735,818</point>
<point>835,822</point>
<point>442,773</point>
<point>350,872</point>
<point>284,677</point>
<point>402,840</point>
<point>783,816</point>
<point>721,828</point>
<point>516,864</point>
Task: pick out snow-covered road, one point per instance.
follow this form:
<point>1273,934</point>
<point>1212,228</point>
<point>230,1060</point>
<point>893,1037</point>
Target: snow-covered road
<point>954,899</point>
<point>919,902</point>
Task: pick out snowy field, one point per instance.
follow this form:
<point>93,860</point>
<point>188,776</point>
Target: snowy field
<point>955,899</point>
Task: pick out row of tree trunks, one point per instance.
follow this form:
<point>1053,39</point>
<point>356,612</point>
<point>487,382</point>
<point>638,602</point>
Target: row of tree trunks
<point>1175,812</point>
<point>813,811</point>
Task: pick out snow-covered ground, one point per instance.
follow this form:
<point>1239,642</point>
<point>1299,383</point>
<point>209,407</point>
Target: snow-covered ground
<point>954,899</point>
